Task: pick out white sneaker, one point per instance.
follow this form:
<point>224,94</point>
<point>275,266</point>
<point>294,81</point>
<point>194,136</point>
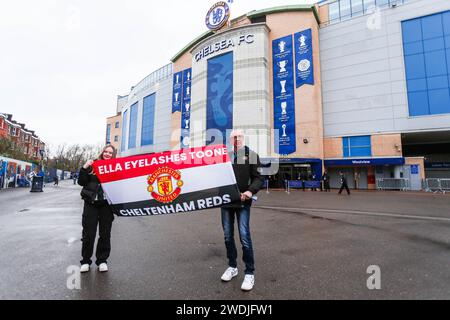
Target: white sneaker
<point>229,274</point>
<point>84,268</point>
<point>249,282</point>
<point>103,267</point>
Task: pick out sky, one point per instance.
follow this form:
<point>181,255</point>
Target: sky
<point>63,63</point>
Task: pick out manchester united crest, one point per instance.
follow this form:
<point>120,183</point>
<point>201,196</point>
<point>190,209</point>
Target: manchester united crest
<point>165,184</point>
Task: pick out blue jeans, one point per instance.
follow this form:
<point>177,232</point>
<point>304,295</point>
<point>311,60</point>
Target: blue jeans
<point>243,218</point>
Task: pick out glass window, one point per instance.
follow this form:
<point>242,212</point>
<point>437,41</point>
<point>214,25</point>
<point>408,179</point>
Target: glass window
<point>334,11</point>
<point>412,31</point>
<point>116,138</point>
<point>382,3</point>
<point>357,146</point>
<point>418,103</point>
<point>437,82</point>
<point>345,9</point>
<point>432,26</point>
<point>148,120</point>
<point>108,134</point>
<point>133,126</point>
<point>435,63</point>
<point>357,7</point>
<point>413,48</point>
<point>434,44</point>
<point>369,5</point>
<point>124,129</point>
<point>439,101</point>
<point>415,66</point>
<point>446,22</point>
<point>117,125</point>
<point>417,85</point>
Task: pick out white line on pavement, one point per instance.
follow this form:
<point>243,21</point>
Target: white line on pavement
<point>364,213</point>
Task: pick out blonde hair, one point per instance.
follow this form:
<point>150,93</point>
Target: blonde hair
<point>100,157</point>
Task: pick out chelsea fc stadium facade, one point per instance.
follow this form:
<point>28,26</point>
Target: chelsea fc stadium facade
<point>359,86</point>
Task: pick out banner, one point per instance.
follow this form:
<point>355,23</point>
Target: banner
<point>177,92</point>
<point>304,58</point>
<point>283,95</point>
<point>219,101</point>
<point>169,182</point>
<point>186,109</point>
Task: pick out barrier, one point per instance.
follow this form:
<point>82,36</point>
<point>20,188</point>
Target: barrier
<point>37,184</point>
<point>297,184</point>
<point>393,184</point>
<point>437,185</point>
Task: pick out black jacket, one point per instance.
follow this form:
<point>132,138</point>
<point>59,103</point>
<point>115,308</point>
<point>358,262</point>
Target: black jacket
<point>246,166</point>
<point>92,190</point>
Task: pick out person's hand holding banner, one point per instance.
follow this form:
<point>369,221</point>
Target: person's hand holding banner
<point>169,182</point>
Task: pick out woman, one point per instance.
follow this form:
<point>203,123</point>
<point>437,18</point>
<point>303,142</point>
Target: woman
<point>96,212</point>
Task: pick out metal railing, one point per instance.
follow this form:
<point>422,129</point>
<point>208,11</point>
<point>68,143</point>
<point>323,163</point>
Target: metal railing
<point>393,184</point>
<point>437,185</point>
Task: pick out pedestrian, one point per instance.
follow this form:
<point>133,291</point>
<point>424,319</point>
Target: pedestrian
<point>74,177</point>
<point>56,181</point>
<point>344,184</point>
<point>303,177</point>
<point>312,178</point>
<point>96,212</point>
<point>326,181</point>
<point>246,169</point>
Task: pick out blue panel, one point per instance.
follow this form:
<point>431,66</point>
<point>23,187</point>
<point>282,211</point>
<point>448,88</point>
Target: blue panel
<point>284,95</point>
<point>412,30</point>
<point>177,90</point>
<point>346,147</point>
<point>219,104</point>
<point>447,42</point>
<point>186,109</point>
<point>435,63</point>
<point>413,48</point>
<point>447,53</point>
<point>418,103</point>
<point>432,26</point>
<point>439,101</point>
<point>133,126</point>
<point>417,85</point>
<point>436,83</point>
<point>446,22</point>
<point>415,66</point>
<point>360,141</point>
<point>124,130</point>
<point>434,44</point>
<point>361,152</point>
<point>148,120</point>
<point>369,162</point>
<point>304,66</point>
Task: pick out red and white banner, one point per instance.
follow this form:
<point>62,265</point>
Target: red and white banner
<point>169,182</point>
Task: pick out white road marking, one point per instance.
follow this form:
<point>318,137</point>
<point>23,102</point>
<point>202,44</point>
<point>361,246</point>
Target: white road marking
<point>363,213</point>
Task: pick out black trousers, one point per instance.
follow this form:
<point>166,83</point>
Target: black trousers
<point>344,186</point>
<point>98,214</point>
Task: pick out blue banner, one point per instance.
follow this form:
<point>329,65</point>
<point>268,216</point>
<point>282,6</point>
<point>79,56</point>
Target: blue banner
<point>177,92</point>
<point>283,95</point>
<point>186,109</point>
<point>219,104</point>
<point>304,66</point>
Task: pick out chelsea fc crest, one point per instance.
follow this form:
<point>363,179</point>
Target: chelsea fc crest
<point>217,16</point>
<point>168,184</point>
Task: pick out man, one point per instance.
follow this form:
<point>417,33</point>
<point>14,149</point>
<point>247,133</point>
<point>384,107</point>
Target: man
<point>326,181</point>
<point>245,165</point>
<point>344,183</point>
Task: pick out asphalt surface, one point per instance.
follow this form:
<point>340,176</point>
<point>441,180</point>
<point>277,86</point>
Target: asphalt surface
<point>308,245</point>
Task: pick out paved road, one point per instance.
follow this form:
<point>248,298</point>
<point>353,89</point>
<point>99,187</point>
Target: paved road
<point>308,245</point>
